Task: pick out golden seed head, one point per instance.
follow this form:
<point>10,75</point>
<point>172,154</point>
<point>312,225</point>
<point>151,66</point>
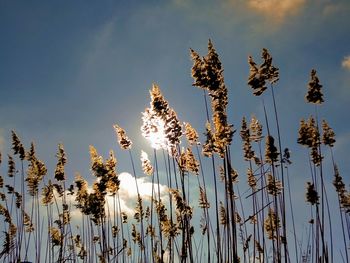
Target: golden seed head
<point>146,164</point>
<point>191,134</point>
<point>123,139</point>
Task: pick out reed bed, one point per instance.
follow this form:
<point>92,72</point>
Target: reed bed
<point>199,208</point>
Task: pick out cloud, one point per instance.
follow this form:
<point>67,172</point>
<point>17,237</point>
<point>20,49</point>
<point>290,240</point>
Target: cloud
<point>343,143</point>
<point>128,189</point>
<point>331,9</point>
<point>276,10</point>
<point>181,3</point>
<point>98,47</point>
<point>269,14</point>
<point>346,63</point>
<point>2,140</point>
<point>335,8</point>
<point>127,194</point>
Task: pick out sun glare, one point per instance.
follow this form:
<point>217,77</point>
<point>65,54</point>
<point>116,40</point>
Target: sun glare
<point>156,133</point>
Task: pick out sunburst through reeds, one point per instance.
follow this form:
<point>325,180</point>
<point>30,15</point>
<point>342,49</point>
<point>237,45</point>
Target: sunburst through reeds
<point>184,201</point>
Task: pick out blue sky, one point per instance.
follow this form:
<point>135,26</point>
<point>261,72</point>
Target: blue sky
<point>69,70</point>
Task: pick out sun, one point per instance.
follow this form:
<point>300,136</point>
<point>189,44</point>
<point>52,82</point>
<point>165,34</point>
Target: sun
<point>153,129</point>
<point>157,136</point>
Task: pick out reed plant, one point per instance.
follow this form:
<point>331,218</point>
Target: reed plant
<point>199,208</point>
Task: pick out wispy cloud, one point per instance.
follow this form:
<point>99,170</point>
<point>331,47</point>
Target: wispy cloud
<point>335,7</point>
<point>346,63</point>
<point>100,42</point>
<point>272,12</point>
<point>276,10</point>
<point>181,3</point>
<point>2,140</point>
<point>97,48</point>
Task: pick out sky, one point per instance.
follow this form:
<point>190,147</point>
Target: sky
<point>69,70</point>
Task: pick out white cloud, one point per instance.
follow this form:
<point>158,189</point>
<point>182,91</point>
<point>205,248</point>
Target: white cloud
<point>128,188</point>
<point>276,10</point>
<point>346,62</point>
<point>127,194</point>
<point>128,191</point>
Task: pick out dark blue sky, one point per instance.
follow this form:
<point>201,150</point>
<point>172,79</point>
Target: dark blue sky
<point>69,70</point>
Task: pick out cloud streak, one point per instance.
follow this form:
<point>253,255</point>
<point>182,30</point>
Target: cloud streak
<point>346,63</point>
<point>276,10</point>
<point>331,8</point>
<point>2,140</point>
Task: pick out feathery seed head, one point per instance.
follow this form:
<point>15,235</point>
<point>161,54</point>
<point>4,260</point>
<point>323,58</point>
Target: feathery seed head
<point>19,199</point>
<point>158,104</point>
<point>259,75</point>
<point>31,153</point>
<point>328,137</point>
<point>188,162</point>
<point>197,71</point>
<point>146,164</point>
<point>269,71</point>
<point>314,94</point>
<point>311,194</point>
<point>17,146</point>
<point>203,200</point>
<point>160,123</point>
<point>274,186</point>
<point>27,222</point>
<point>56,237</point>
<point>272,224</point>
<point>62,160</point>
<point>123,139</point>
<point>251,179</point>
<point>35,173</point>
<point>286,157</point>
<point>208,146</point>
<point>304,137</point>
<point>245,135</point>
<point>47,194</point>
<point>11,167</point>
<point>271,154</point>
<point>212,80</point>
<point>223,215</point>
<point>255,80</point>
<point>255,129</point>
<point>191,134</point>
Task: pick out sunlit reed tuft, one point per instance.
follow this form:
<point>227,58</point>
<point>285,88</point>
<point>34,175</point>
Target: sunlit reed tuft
<point>123,139</point>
